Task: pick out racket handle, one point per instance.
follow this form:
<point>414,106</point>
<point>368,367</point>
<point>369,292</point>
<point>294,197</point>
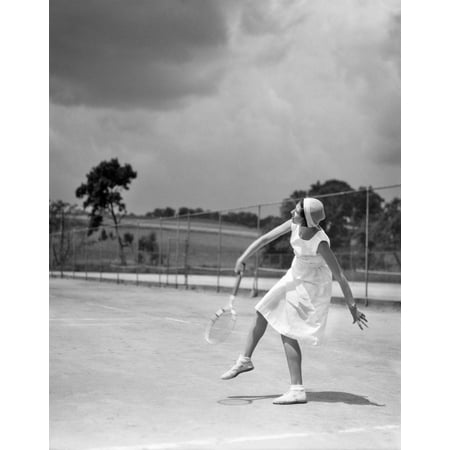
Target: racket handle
<point>236,284</point>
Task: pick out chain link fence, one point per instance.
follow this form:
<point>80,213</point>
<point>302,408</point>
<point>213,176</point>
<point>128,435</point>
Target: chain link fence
<point>201,248</point>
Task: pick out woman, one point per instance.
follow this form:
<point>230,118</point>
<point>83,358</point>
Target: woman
<point>297,305</point>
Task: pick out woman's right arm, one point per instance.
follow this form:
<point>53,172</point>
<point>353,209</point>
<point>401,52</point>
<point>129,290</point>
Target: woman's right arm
<point>261,242</point>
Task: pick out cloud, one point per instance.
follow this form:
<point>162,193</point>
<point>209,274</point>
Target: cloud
<point>271,17</point>
<point>267,97</point>
<point>135,53</point>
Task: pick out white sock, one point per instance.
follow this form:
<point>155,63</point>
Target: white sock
<point>297,387</point>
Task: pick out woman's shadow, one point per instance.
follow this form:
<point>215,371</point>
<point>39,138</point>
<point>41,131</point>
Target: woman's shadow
<point>313,396</point>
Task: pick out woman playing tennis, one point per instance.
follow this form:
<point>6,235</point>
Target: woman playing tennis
<point>297,305</point>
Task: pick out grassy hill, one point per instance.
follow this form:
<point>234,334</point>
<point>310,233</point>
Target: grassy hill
<point>200,245</point>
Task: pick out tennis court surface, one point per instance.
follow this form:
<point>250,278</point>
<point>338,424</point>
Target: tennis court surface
<point>130,370</point>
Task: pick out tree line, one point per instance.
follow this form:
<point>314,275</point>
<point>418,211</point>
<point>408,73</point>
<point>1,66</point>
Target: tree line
<point>244,218</point>
<point>345,214</point>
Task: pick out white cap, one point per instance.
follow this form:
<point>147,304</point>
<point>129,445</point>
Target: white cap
<point>314,211</point>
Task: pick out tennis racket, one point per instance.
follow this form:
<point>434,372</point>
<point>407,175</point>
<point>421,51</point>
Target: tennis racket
<point>223,321</point>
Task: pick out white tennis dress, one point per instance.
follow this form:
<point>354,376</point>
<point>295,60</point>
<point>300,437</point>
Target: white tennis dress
<point>297,305</point>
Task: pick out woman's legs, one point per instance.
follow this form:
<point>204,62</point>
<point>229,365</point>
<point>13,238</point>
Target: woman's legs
<point>255,334</point>
<point>296,393</point>
<point>294,359</point>
<point>244,363</point>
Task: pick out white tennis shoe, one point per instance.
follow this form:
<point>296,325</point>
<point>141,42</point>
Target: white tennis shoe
<point>242,365</point>
<point>291,397</point>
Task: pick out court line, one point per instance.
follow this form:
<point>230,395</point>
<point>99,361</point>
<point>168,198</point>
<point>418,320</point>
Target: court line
<point>216,442</point>
<point>96,319</point>
<point>266,437</point>
<point>109,307</point>
<point>107,320</point>
<point>352,430</point>
<point>96,324</point>
<point>386,427</point>
<point>176,320</point>
<point>114,319</point>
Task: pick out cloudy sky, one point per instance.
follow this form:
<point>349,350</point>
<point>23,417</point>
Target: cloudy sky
<point>224,103</point>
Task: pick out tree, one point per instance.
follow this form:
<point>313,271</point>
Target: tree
<point>60,221</point>
<point>103,195</point>
<point>345,214</point>
<point>103,235</point>
<point>148,244</point>
<point>60,216</point>
<point>184,211</point>
<point>245,218</point>
<point>279,248</point>
<point>386,231</point>
<point>162,212</point>
<point>128,239</point>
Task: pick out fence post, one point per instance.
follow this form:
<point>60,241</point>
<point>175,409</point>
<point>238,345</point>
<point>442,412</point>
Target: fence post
<point>61,245</point>
<point>101,259</point>
<point>219,253</point>
<point>74,255</point>
<point>118,266</point>
<point>135,257</point>
<point>186,251</point>
<point>85,258</point>
<point>160,267</point>
<point>254,291</point>
<point>50,258</point>
<point>168,262</point>
<point>177,250</point>
<point>366,256</point>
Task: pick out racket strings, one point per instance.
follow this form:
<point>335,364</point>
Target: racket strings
<point>221,327</point>
<point>223,323</point>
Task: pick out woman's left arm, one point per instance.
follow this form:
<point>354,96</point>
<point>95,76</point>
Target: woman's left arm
<point>327,254</point>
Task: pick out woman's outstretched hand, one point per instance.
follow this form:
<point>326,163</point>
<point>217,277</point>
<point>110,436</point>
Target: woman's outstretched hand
<point>358,317</point>
<point>240,266</point>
